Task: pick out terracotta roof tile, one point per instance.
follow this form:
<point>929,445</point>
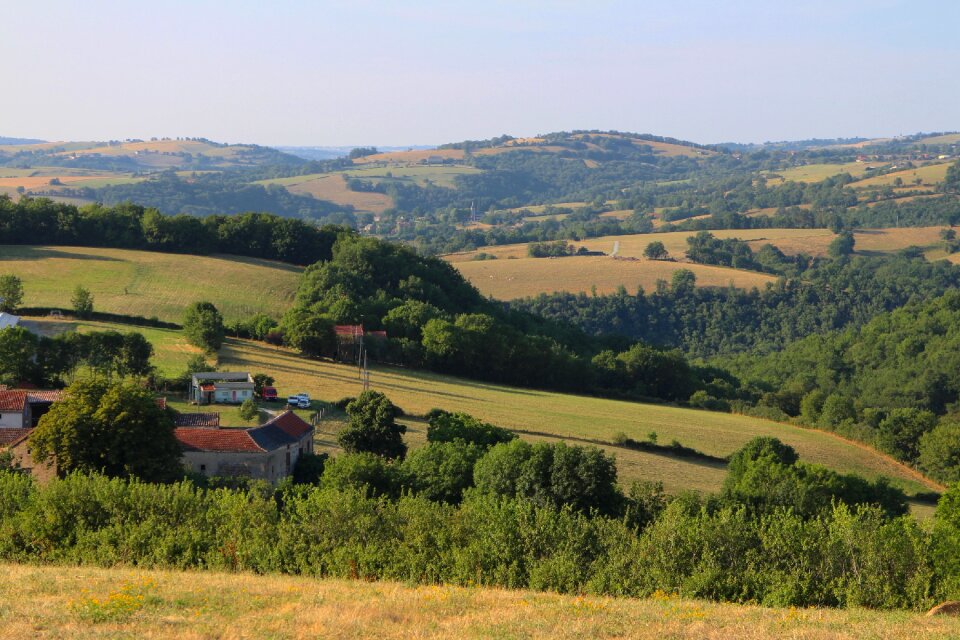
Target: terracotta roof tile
<point>13,400</point>
<point>291,424</point>
<point>10,437</point>
<point>216,439</point>
<point>44,396</point>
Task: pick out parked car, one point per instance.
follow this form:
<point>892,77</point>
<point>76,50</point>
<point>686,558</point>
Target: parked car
<point>299,401</point>
<point>269,394</point>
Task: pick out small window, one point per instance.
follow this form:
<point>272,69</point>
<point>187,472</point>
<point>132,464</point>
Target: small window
<point>203,468</point>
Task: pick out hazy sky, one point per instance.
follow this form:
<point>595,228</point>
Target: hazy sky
<point>410,72</point>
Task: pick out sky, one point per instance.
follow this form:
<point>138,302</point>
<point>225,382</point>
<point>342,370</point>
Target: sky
<point>332,73</point>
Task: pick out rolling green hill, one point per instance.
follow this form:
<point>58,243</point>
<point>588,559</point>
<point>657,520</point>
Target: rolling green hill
<point>535,414</point>
<point>150,284</point>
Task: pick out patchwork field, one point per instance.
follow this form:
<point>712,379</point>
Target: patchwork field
<point>790,241</point>
<point>87,602</point>
<point>817,172</point>
<point>555,415</point>
<point>38,179</point>
<point>515,275</point>
<point>947,138</point>
<point>928,176</point>
<point>509,279</point>
<point>150,284</point>
<point>333,188</point>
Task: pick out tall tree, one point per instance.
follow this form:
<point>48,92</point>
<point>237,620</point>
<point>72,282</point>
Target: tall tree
<point>114,429</point>
<point>203,326</point>
<point>11,293</point>
<point>373,427</point>
<point>82,302</point>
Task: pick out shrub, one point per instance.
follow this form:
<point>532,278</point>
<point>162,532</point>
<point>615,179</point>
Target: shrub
<point>249,410</point>
<point>448,427</point>
<point>373,427</point>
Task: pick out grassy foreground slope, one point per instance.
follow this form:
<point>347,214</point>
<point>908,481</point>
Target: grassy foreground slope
<point>543,414</point>
<point>148,283</point>
<point>82,602</point>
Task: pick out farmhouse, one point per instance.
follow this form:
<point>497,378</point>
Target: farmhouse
<point>221,387</point>
<point>268,452</point>
<point>21,409</point>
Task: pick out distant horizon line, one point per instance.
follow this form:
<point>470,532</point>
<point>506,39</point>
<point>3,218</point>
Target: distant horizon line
<point>398,147</point>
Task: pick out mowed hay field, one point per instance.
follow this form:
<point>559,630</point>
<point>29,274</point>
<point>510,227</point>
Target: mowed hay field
<point>508,279</point>
<point>515,275</point>
<point>571,417</point>
<point>929,176</point>
<point>150,284</point>
<point>791,241</point>
<point>816,172</point>
<point>64,602</point>
<point>333,188</point>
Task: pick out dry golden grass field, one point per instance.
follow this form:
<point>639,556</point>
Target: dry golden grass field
<point>333,187</point>
<point>515,275</point>
<point>88,602</point>
<point>790,241</point>
<point>148,283</point>
<point>948,138</point>
<point>571,417</point>
<point>507,279</point>
<point>817,172</point>
<point>928,176</point>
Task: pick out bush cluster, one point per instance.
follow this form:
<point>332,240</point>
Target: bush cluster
<point>845,557</point>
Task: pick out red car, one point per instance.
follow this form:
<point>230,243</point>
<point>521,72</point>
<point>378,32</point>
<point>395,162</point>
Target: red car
<point>269,394</point>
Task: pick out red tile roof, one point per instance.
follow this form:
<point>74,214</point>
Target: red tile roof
<point>352,330</point>
<point>197,420</point>
<point>44,396</point>
<point>13,400</point>
<point>10,437</point>
<point>291,424</point>
<point>216,439</point>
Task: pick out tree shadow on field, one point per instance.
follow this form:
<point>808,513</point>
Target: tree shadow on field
<point>21,252</point>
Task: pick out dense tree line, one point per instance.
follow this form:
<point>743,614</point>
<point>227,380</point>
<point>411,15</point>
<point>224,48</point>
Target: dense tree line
<point>708,321</point>
<point>892,382</point>
<point>41,361</point>
<point>129,226</point>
